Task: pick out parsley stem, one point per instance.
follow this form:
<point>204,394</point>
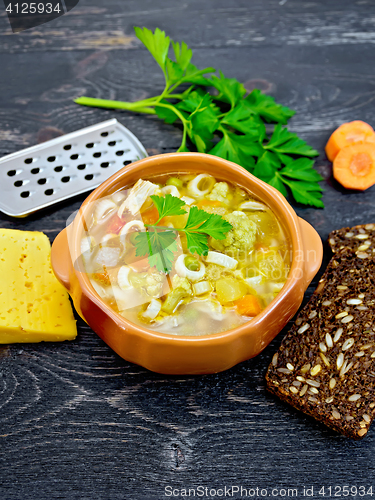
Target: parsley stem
<point>175,111</point>
<point>222,129</point>
<point>143,106</point>
<point>163,94</point>
<point>176,229</point>
<point>175,86</point>
<point>183,142</point>
<point>167,228</point>
<point>138,107</point>
<point>175,96</point>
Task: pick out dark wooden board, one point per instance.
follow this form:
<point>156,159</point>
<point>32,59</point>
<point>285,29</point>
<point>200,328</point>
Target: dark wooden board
<point>78,422</point>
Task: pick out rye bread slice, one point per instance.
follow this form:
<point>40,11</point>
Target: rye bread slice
<point>326,363</point>
<point>357,238</point>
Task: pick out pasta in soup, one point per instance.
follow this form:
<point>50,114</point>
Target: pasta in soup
<point>185,254</point>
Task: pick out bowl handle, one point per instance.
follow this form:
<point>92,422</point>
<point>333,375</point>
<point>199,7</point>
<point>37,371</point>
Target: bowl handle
<point>60,259</point>
<point>312,250</point>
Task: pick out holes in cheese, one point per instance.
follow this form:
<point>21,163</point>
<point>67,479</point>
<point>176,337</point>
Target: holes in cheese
<point>34,306</point>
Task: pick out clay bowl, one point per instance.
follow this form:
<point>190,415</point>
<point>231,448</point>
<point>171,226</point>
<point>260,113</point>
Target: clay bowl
<point>171,354</point>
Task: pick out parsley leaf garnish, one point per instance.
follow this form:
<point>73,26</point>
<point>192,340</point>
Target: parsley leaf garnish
<point>158,243</point>
<point>168,205</point>
<point>159,246</point>
<point>220,119</point>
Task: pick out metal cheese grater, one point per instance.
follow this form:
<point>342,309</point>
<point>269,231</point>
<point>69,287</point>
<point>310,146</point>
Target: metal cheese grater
<point>45,174</point>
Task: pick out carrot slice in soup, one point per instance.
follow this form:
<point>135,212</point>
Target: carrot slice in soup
<point>248,305</point>
<point>348,134</point>
<point>151,215</point>
<point>354,166</point>
<point>102,278</point>
<point>208,203</point>
<point>117,223</point>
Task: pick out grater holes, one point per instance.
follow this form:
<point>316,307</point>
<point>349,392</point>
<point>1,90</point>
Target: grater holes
<point>100,168</point>
<point>97,155</point>
<point>42,181</point>
<point>51,159</point>
<point>89,177</point>
<point>120,153</point>
<point>90,145</point>
<point>48,192</point>
<point>74,157</point>
<point>18,183</point>
<point>25,194</point>
<point>28,160</point>
<point>35,170</point>
<point>11,173</point>
<point>104,134</point>
<point>82,166</point>
<point>127,162</point>
<point>65,179</point>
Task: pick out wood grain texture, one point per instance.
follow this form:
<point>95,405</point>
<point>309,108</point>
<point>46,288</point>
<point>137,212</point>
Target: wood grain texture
<point>78,422</point>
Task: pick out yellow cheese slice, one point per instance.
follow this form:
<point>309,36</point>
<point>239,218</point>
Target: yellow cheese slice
<point>34,306</point>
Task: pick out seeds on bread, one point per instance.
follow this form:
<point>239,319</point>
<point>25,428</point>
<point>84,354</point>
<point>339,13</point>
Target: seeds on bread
<point>326,363</point>
<point>359,239</point>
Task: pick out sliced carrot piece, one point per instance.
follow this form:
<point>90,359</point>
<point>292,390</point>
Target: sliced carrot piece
<point>151,215</point>
<point>102,278</point>
<point>116,224</point>
<point>354,166</point>
<point>248,305</point>
<point>261,246</point>
<point>348,134</point>
<point>208,203</point>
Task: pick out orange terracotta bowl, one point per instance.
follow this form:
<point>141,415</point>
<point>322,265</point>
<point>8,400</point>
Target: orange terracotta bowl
<point>172,354</point>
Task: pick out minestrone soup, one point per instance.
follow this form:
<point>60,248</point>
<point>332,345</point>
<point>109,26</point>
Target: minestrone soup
<point>233,282</point>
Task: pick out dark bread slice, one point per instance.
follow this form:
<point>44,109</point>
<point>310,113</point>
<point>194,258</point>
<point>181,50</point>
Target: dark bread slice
<point>326,363</point>
<point>357,238</point>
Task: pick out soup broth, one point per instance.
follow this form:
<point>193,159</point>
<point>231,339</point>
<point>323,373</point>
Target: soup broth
<point>202,294</point>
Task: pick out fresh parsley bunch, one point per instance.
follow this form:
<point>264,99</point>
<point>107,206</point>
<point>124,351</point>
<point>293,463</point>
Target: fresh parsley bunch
<point>220,119</point>
<point>158,243</point>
